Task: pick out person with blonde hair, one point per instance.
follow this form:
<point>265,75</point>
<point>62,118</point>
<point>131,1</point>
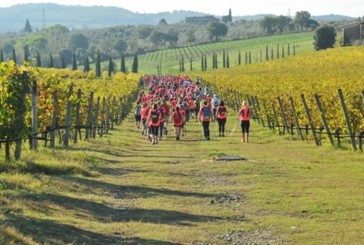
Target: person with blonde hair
<point>244,115</point>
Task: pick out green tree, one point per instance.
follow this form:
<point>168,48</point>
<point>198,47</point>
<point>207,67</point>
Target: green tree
<point>135,64</point>
<point>67,55</point>
<point>110,69</point>
<point>282,23</point>
<point>122,63</point>
<point>51,62</point>
<point>120,46</point>
<point>268,24</point>
<point>302,19</point>
<point>74,62</point>
<point>98,64</point>
<point>14,56</point>
<point>63,63</point>
<point>1,56</point>
<point>27,28</point>
<point>78,41</point>
<point>216,30</point>
<point>163,22</point>
<point>324,37</point>
<point>39,61</point>
<point>144,32</point>
<point>227,61</point>
<point>26,53</point>
<point>86,66</point>
<point>191,38</point>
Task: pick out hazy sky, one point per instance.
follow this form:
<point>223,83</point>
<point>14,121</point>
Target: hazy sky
<point>354,8</point>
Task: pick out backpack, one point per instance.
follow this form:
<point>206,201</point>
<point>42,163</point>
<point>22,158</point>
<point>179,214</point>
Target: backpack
<point>222,110</point>
<point>138,109</point>
<point>154,116</point>
<point>206,112</point>
<point>216,103</point>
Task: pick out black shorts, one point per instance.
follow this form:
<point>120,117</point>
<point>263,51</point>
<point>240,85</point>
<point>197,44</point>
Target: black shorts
<point>144,121</point>
<point>138,118</point>
<point>245,125</point>
<point>155,130</point>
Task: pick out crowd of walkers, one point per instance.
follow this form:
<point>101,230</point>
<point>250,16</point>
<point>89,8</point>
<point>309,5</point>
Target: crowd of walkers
<point>177,100</point>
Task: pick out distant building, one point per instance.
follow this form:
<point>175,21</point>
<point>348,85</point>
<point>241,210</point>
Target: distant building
<point>353,32</point>
<point>201,20</point>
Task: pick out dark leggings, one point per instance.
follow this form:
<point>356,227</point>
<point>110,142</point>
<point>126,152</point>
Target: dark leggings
<point>245,125</point>
<point>222,123</point>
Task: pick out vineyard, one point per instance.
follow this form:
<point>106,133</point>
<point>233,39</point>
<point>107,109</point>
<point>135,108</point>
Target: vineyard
<point>315,96</point>
<point>40,104</point>
<point>168,61</point>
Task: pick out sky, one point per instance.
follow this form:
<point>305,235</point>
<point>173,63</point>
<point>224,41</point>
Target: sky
<point>354,8</point>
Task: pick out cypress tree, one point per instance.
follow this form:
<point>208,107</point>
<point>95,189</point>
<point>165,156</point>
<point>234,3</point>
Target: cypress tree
<point>223,59</point>
<point>14,56</point>
<point>213,61</point>
<point>98,64</point>
<point>39,61</point>
<point>294,50</point>
<point>63,64</point>
<point>227,61</point>
<point>1,56</point>
<point>282,51</point>
<point>277,51</point>
<point>205,62</point>
<point>271,54</point>
<point>250,57</point>
<point>51,63</point>
<point>122,63</point>
<point>239,58</point>
<point>180,65</point>
<point>86,67</point>
<point>74,62</point>
<point>26,53</point>
<point>191,67</point>
<point>135,64</point>
<point>266,53</point>
<point>202,63</point>
<point>246,58</point>
<point>110,69</point>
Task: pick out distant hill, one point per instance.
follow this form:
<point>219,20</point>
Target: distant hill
<point>13,18</point>
<point>332,17</point>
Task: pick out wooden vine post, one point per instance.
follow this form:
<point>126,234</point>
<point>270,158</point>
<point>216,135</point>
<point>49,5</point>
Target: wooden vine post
<point>276,119</point>
<point>108,115</point>
<point>258,110</point>
<point>54,125</point>
<point>324,121</point>
<point>347,119</point>
<point>283,114</point>
<point>89,116</point>
<point>68,117</point>
<point>34,140</point>
<point>77,121</point>
<point>296,118</point>
<point>97,111</point>
<point>310,119</point>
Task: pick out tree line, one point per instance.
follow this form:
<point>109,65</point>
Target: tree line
<point>66,46</point>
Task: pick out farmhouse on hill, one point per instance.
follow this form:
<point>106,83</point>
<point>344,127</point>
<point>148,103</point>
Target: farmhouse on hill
<point>201,20</point>
<point>352,33</point>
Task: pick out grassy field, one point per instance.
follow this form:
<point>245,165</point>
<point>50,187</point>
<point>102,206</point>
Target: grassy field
<point>120,189</point>
<point>169,59</point>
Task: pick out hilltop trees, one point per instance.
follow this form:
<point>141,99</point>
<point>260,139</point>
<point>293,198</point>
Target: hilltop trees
<point>28,27</point>
<point>216,30</point>
<point>303,20</point>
